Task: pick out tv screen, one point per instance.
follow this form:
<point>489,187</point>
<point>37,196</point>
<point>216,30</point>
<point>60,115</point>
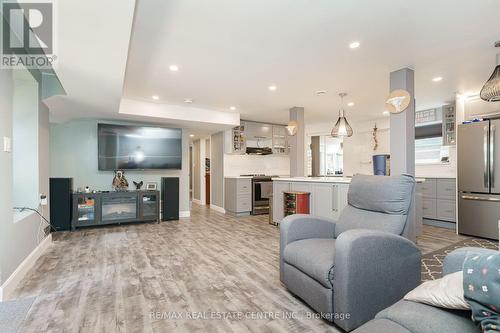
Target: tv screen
<point>139,147</point>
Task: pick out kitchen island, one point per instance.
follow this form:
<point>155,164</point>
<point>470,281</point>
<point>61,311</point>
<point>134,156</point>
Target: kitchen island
<point>328,196</point>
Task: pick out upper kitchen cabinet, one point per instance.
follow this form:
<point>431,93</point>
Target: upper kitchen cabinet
<point>437,122</point>
<point>256,138</point>
<point>259,135</point>
<point>280,140</point>
<point>235,140</point>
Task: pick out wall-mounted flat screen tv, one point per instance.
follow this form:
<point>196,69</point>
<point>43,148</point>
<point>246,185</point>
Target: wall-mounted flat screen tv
<point>139,147</point>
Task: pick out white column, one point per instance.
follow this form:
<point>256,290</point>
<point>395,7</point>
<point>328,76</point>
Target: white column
<point>297,144</point>
<point>403,126</point>
<point>202,171</point>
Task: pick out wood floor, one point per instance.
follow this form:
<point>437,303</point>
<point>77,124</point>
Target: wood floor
<point>221,271</point>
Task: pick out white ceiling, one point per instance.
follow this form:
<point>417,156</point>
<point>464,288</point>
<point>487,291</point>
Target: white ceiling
<point>229,52</point>
<point>92,44</point>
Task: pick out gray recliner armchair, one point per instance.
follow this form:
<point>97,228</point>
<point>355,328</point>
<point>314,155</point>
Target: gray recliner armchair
<point>350,269</point>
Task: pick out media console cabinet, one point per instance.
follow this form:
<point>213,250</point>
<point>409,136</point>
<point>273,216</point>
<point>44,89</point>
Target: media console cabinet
<point>91,209</point>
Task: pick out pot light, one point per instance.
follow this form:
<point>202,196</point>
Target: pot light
<point>188,100</point>
<point>232,108</point>
<point>155,97</point>
<point>272,88</point>
<point>320,92</point>
<point>437,79</point>
<point>354,45</point>
<point>385,113</point>
<point>191,135</point>
<point>350,104</point>
<point>173,68</point>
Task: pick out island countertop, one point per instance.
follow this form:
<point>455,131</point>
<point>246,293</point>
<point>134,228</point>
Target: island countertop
<point>344,180</point>
<point>338,180</point>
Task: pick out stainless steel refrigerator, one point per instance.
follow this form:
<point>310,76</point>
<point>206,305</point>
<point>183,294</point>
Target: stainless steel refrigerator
<point>478,154</point>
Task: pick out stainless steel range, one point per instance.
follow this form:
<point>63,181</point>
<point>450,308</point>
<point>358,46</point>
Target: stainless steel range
<point>262,189</point>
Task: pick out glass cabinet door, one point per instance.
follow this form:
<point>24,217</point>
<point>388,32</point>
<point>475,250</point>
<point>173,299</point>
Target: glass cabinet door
<point>149,205</point>
<point>280,144</point>
<point>86,209</point>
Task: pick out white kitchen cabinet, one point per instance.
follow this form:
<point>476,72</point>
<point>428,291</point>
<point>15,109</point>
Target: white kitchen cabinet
<point>238,196</point>
<point>278,189</point>
<point>328,200</point>
<point>301,187</point>
<point>438,199</point>
<point>280,140</point>
<point>323,198</point>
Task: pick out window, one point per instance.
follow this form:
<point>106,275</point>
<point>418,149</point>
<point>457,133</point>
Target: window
<point>431,150</point>
<point>25,140</point>
<point>331,157</point>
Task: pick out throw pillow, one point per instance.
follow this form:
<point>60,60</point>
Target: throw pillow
<point>482,289</point>
<point>447,292</point>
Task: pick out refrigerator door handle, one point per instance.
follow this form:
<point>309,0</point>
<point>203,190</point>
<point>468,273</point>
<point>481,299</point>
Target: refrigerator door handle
<point>472,197</point>
<point>485,158</point>
<point>492,156</point>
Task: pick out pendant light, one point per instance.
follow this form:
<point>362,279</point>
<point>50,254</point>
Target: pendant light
<point>292,127</point>
<point>491,89</point>
<point>342,128</point>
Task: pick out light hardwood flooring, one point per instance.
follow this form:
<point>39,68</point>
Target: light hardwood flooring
<point>142,277</point>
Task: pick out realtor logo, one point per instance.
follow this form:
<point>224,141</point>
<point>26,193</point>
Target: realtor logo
<point>28,34</point>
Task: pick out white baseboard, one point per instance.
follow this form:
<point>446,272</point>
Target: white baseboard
<point>11,283</point>
<point>185,213</point>
<point>218,209</point>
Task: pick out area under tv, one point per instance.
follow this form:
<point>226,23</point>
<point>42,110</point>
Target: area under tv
<point>102,208</point>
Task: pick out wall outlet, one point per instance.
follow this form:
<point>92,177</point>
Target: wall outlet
<point>7,144</point>
<point>43,200</point>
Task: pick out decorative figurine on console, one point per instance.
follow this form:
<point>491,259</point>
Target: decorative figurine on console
<point>120,183</point>
<point>138,185</point>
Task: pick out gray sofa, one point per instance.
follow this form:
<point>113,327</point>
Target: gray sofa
<point>412,317</point>
<point>350,269</point>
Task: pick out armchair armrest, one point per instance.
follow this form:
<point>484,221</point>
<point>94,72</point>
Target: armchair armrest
<point>373,269</point>
<point>301,226</point>
<point>454,261</point>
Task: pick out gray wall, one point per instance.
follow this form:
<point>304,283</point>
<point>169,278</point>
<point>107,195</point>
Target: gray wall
<point>18,240</point>
<point>196,170</point>
<point>73,154</point>
<point>217,169</point>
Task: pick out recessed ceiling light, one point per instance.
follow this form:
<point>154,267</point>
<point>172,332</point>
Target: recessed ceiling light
<point>188,100</point>
<point>232,108</point>
<point>354,45</point>
<point>320,92</point>
<point>385,113</point>
<point>350,104</point>
<point>191,135</point>
<point>155,97</point>
<point>437,79</point>
<point>272,88</point>
<point>173,68</point>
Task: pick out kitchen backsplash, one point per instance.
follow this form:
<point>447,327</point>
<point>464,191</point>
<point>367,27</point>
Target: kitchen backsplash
<point>235,165</point>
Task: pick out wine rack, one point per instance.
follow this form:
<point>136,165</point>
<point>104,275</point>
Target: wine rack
<point>296,203</point>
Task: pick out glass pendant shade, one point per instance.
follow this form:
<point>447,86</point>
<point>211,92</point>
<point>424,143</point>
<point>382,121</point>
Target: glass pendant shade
<point>342,128</point>
<point>292,127</point>
<point>491,89</point>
